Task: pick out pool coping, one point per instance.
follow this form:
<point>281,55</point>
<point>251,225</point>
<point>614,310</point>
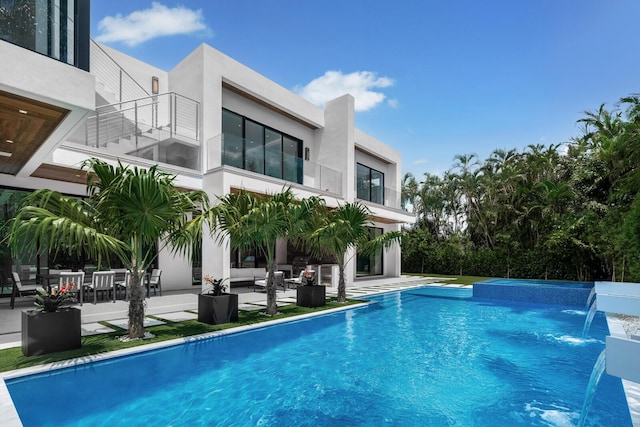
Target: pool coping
<point>631,389</point>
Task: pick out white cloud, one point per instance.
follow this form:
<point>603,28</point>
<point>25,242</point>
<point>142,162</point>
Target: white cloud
<point>359,84</point>
<point>143,25</point>
<point>420,161</point>
<point>393,103</point>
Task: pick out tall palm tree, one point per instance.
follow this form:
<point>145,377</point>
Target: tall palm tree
<point>344,228</point>
<point>251,221</point>
<point>128,212</point>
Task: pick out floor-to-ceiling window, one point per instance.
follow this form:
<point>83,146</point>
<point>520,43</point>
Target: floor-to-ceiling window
<point>232,143</point>
<point>370,265</point>
<point>255,147</point>
<point>369,184</point>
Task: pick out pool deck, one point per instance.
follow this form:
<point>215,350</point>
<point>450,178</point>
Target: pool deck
<point>173,305</point>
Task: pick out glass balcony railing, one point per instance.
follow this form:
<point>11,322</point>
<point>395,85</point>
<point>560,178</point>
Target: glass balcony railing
<point>391,198</point>
<point>275,164</point>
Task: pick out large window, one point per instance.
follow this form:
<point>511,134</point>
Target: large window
<point>370,265</point>
<point>56,28</point>
<point>369,184</point>
<point>254,147</point>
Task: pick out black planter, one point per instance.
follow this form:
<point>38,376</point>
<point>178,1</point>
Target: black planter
<point>44,333</point>
<point>215,310</point>
<point>311,296</point>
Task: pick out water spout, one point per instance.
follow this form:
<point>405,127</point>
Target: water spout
<point>596,374</point>
<point>587,321</point>
<point>591,297</point>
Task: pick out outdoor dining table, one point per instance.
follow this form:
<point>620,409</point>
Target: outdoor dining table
<point>48,278</point>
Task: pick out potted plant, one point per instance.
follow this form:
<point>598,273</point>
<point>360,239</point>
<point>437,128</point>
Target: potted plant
<point>214,305</point>
<point>53,326</point>
<point>310,294</point>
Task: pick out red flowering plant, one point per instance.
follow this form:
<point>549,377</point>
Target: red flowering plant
<point>216,286</point>
<point>310,277</point>
<point>56,299</point>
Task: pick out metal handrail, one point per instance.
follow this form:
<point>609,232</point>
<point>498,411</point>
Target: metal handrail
<point>119,68</point>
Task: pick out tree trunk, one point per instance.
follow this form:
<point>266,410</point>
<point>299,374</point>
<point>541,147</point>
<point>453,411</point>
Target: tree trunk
<point>342,289</point>
<point>272,307</point>
<point>136,305</point>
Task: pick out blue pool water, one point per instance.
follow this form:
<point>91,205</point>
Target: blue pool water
<point>426,357</point>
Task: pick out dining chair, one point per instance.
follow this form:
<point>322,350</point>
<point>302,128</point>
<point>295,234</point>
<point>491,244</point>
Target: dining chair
<point>124,283</point>
<point>20,289</point>
<point>154,281</point>
<point>74,281</point>
<point>102,281</point>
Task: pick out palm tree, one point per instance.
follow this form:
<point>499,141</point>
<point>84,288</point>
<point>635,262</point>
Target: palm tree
<point>251,221</point>
<point>344,228</point>
<point>128,212</point>
<point>409,191</point>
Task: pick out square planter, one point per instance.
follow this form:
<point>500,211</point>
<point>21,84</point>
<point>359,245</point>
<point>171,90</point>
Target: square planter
<point>311,296</point>
<point>215,310</point>
<point>44,333</point>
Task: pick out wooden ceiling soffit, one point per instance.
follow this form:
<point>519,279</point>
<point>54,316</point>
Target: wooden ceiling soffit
<point>25,124</point>
<point>60,173</point>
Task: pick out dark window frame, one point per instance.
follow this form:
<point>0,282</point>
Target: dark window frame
<point>369,197</point>
<point>373,231</point>
<point>283,137</point>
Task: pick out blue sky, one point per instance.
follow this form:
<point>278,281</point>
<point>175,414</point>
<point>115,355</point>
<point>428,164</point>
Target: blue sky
<point>432,79</point>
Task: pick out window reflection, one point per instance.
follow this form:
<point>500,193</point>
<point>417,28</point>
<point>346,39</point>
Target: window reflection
<point>252,146</point>
<point>369,184</point>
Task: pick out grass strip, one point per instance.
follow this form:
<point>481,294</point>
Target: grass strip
<point>12,358</point>
<point>463,280</point>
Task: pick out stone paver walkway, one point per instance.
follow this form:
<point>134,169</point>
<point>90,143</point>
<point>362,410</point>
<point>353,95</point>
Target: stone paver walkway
<point>180,306</point>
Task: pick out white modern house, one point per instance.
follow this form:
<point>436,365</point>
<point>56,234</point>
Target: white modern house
<point>213,122</point>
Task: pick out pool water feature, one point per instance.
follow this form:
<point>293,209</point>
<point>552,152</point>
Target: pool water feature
<point>429,357</point>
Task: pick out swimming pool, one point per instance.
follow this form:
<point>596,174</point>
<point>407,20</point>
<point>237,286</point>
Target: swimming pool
<point>429,357</point>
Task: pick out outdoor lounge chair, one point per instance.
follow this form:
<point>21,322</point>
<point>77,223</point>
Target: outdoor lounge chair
<point>102,281</point>
<point>294,282</point>
<point>20,290</point>
<point>73,279</point>
<point>278,279</point>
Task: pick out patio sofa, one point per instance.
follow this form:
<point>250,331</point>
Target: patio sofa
<point>240,275</point>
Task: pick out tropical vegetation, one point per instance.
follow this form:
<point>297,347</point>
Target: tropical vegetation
<point>248,220</point>
<point>562,211</point>
<point>128,212</point>
<point>342,230</point>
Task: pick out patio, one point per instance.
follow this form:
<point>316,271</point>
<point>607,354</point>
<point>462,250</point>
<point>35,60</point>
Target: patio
<point>172,305</point>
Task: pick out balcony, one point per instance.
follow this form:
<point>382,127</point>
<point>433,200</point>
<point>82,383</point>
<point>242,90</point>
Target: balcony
<point>159,128</point>
<point>278,165</point>
<point>390,199</point>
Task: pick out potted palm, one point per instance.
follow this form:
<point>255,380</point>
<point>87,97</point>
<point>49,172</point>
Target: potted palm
<point>310,294</point>
<point>214,305</point>
<point>53,326</point>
